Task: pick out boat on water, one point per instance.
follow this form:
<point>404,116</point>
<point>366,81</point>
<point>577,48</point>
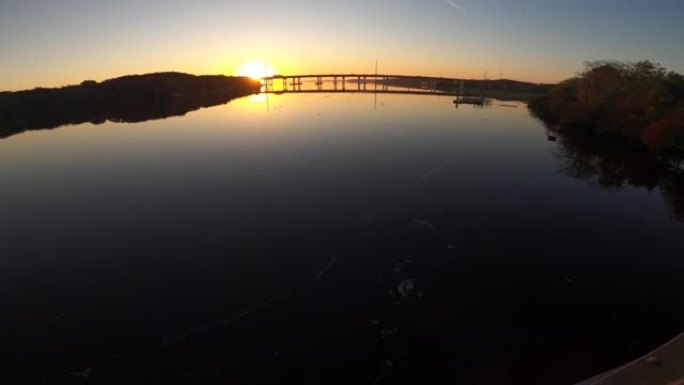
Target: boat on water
<point>474,100</point>
<point>479,100</point>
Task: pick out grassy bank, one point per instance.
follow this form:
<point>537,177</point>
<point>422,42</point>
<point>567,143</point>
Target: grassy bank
<point>502,89</point>
<point>522,96</point>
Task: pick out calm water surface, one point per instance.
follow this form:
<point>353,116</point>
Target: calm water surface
<point>339,239</point>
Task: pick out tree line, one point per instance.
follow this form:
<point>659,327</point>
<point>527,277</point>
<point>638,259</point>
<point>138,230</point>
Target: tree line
<point>634,99</point>
<point>133,98</point>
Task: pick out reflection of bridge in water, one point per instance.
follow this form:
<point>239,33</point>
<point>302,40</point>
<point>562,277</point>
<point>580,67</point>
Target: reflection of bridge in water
<point>369,83</point>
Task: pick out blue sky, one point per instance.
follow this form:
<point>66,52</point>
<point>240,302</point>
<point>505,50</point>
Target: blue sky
<point>65,41</point>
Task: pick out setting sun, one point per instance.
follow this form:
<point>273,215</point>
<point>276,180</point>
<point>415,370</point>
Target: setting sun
<point>256,69</point>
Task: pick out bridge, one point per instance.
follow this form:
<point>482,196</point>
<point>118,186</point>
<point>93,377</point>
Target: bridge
<point>376,83</point>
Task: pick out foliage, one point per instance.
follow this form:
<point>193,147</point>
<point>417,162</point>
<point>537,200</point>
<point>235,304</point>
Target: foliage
<point>126,99</point>
<point>639,99</point>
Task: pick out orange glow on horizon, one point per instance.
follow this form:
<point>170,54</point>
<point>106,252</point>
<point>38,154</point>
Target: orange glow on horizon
<point>256,69</point>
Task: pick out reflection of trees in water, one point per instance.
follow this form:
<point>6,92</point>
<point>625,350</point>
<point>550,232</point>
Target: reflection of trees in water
<point>673,190</point>
<point>128,99</point>
<point>611,162</point>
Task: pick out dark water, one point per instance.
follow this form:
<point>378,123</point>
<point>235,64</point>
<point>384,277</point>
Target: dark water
<point>330,239</point>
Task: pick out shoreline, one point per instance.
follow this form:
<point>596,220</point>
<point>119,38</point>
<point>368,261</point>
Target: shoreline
<point>133,98</point>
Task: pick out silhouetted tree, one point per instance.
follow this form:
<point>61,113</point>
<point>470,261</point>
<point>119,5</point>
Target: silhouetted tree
<point>127,99</point>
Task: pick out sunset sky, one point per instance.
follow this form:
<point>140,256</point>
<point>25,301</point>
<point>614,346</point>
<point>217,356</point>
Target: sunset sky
<point>57,42</point>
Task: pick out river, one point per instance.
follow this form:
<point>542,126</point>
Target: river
<point>333,238</point>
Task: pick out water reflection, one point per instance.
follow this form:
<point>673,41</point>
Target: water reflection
<point>612,162</point>
<point>325,241</point>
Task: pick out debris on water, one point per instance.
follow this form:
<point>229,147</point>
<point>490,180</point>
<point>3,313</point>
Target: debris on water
<point>84,374</point>
<point>389,332</point>
<point>433,171</point>
<point>424,223</point>
<point>55,319</point>
<point>406,286</point>
<point>327,267</point>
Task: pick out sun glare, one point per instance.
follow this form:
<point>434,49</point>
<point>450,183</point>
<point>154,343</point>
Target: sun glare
<point>256,69</point>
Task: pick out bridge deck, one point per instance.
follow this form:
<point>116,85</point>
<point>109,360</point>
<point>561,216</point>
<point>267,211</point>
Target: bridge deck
<point>361,75</point>
<point>360,91</point>
<point>362,81</point>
